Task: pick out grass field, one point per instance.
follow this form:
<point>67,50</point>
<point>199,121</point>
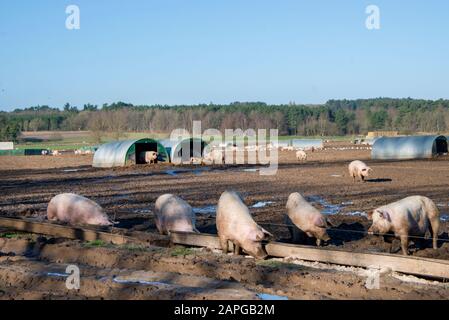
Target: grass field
<point>71,140</point>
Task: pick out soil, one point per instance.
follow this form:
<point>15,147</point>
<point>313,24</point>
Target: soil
<point>128,195</point>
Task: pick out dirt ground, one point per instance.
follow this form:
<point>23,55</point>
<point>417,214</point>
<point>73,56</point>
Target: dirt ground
<point>128,195</point>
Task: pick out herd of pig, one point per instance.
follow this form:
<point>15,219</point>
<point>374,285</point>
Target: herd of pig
<point>409,217</point>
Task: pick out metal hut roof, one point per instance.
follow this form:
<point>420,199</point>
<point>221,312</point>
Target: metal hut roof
<point>121,153</point>
<point>175,149</point>
<point>411,147</point>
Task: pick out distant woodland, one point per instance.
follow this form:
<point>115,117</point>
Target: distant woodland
<point>335,117</point>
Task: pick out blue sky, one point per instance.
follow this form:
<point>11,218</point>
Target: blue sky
<point>201,51</point>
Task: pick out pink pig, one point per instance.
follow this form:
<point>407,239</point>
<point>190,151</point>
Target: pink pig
<point>76,209</point>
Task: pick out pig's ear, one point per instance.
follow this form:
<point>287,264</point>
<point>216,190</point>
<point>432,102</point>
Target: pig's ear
<point>384,214</point>
<point>266,233</point>
<point>320,222</point>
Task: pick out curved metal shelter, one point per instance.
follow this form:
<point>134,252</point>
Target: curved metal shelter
<point>181,151</point>
<point>126,152</point>
<point>307,143</point>
<point>411,147</point>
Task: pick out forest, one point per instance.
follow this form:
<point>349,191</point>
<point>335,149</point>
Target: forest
<point>335,117</point>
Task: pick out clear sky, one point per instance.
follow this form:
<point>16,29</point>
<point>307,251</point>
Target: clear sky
<point>201,51</point>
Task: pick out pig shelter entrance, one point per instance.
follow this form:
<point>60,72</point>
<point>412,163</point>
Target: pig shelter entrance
<point>440,146</point>
<point>141,148</point>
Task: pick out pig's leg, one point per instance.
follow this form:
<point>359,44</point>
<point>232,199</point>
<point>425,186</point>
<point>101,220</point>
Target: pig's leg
<point>404,244</point>
<point>434,227</point>
<point>236,249</point>
<point>318,242</point>
<point>224,244</point>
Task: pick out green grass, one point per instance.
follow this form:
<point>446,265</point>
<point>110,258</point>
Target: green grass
<point>181,251</point>
<point>61,142</point>
<point>276,264</point>
<point>95,244</point>
<point>134,247</point>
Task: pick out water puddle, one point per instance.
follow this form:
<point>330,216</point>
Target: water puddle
<point>262,204</point>
<point>56,274</point>
<point>265,296</point>
<point>139,281</point>
<point>73,170</point>
<point>176,172</point>
<point>328,209</point>
<point>444,217</point>
<point>356,214</point>
<point>205,210</point>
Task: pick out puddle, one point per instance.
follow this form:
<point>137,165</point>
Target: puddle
<point>328,209</point>
<point>144,211</point>
<point>265,296</point>
<point>262,204</point>
<point>73,170</point>
<point>444,217</point>
<point>355,214</point>
<point>56,274</point>
<point>176,172</point>
<point>205,210</point>
<point>139,281</point>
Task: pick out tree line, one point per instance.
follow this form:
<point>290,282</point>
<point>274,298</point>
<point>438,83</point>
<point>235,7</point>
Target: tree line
<point>335,117</point>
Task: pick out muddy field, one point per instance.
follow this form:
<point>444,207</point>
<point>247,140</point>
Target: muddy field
<point>128,195</point>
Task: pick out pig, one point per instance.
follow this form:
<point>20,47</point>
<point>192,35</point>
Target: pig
<point>174,214</point>
<point>359,169</point>
<point>301,155</point>
<point>215,157</point>
<point>307,218</point>
<point>196,160</point>
<point>76,209</point>
<point>234,223</point>
<point>151,156</point>
<point>411,216</point>
<point>55,153</point>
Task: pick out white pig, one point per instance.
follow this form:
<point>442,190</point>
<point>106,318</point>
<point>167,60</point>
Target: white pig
<point>411,216</point>
<point>234,223</point>
<point>307,218</point>
<point>151,156</point>
<point>301,155</point>
<point>76,209</point>
<point>174,214</point>
<point>358,169</point>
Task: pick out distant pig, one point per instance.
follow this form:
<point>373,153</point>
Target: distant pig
<point>151,156</point>
<point>301,155</point>
<point>234,223</point>
<point>75,209</point>
<point>174,214</point>
<point>306,218</point>
<point>411,216</point>
<point>358,169</point>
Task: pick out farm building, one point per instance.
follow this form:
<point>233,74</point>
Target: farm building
<point>307,144</point>
<point>122,153</point>
<point>6,145</point>
<point>411,147</point>
<point>181,151</point>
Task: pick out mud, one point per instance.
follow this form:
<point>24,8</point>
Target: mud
<point>128,195</point>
